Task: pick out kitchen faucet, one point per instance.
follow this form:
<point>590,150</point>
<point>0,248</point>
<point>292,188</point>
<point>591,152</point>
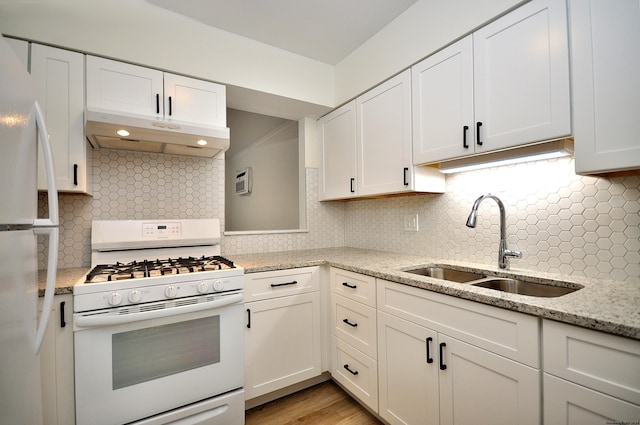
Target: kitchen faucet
<point>503,251</point>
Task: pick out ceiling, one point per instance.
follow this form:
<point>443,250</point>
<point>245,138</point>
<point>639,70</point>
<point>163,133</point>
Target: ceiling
<point>324,30</point>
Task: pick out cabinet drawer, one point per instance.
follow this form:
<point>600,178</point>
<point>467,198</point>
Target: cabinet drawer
<point>279,283</point>
<point>354,323</point>
<point>357,372</point>
<point>507,333</point>
<point>355,286</point>
<point>606,363</point>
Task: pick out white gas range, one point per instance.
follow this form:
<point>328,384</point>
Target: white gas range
<point>158,326</point>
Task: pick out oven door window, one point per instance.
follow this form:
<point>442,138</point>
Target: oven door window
<point>146,354</point>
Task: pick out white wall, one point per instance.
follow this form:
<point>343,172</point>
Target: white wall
<point>273,202</point>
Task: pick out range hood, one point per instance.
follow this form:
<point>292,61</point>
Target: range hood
<point>104,129</point>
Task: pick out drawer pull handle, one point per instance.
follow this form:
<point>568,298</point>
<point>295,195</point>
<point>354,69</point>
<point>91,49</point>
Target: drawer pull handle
<point>63,322</point>
<point>464,137</point>
<point>428,344</point>
<point>248,318</point>
<point>442,365</point>
<point>275,285</point>
<point>353,372</point>
<point>478,141</point>
<point>404,176</point>
<point>349,286</point>
<point>351,182</point>
<point>353,325</point>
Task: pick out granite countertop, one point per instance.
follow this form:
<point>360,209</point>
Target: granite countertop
<point>65,279</point>
<point>603,305</point>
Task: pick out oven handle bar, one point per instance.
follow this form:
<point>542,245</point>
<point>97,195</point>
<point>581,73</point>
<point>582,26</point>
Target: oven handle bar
<point>95,320</point>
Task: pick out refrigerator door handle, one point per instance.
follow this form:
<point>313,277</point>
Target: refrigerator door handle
<point>52,191</point>
<point>50,287</point>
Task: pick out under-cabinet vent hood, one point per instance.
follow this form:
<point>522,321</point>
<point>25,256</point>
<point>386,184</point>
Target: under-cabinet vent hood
<point>113,130</point>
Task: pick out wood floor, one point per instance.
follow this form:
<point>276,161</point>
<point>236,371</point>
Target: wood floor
<point>322,404</point>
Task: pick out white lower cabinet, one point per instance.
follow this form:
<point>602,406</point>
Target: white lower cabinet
<point>427,376</point>
<point>56,364</point>
<point>353,341</point>
<point>590,377</point>
<point>408,376</point>
<point>283,330</point>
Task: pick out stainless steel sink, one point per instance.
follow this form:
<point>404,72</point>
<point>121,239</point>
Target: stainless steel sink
<point>446,273</point>
<point>523,287</point>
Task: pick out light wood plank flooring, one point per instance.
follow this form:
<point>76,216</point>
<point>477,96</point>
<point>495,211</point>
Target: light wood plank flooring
<point>322,404</point>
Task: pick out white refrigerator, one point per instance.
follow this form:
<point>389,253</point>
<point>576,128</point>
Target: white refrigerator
<point>21,329</point>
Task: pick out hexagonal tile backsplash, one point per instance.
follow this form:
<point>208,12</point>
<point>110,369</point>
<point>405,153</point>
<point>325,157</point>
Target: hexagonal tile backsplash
<point>562,223</point>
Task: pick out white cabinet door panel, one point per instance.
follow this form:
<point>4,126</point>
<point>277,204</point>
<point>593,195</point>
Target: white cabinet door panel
<point>383,137</point>
<point>479,387</point>
<point>337,132</point>
<point>282,342</point>
<point>442,99</point>
<point>521,76</point>
<point>196,101</point>
<point>605,56</point>
<point>123,87</point>
<point>408,382</point>
<point>59,76</point>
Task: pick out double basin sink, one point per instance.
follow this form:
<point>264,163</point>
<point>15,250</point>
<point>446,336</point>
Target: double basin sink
<point>479,279</point>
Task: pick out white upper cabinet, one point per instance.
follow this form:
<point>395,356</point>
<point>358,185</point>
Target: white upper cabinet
<point>521,77</point>
<point>366,146</point>
<point>190,100</point>
<point>59,78</point>
<point>505,85</point>
<point>383,138</point>
<point>442,84</point>
<point>605,56</point>
<point>337,131</point>
<point>133,89</point>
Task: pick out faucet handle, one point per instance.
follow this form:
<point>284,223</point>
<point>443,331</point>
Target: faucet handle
<point>512,253</point>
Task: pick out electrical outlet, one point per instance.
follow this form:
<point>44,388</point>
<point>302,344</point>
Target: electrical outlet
<point>411,222</point>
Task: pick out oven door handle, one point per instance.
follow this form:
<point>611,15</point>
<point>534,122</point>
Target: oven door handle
<point>90,320</point>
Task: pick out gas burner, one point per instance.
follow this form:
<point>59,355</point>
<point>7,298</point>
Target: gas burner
<point>152,268</point>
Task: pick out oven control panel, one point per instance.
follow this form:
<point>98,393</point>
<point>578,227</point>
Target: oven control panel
<point>154,230</point>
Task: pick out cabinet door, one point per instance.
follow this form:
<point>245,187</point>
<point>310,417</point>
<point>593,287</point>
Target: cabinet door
<point>56,364</point>
<point>521,76</point>
<point>121,87</point>
<point>479,387</point>
<point>195,101</point>
<point>59,77</point>
<point>383,138</point>
<point>605,59</point>
<point>442,85</point>
<point>407,372</point>
<point>337,132</point>
<point>282,342</point>
<point>566,403</point>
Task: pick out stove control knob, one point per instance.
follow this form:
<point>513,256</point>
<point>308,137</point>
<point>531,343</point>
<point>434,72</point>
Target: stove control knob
<point>114,298</point>
<point>218,285</point>
<point>135,296</point>
<point>170,291</point>
<point>203,287</point>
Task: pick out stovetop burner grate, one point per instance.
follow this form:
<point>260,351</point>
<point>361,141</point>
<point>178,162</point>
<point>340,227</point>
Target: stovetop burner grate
<point>151,268</point>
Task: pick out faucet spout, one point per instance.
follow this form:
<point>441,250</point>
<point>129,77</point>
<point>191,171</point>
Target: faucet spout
<point>503,252</point>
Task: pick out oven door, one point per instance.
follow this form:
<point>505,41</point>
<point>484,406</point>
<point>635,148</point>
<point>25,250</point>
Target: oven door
<point>134,370</point>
